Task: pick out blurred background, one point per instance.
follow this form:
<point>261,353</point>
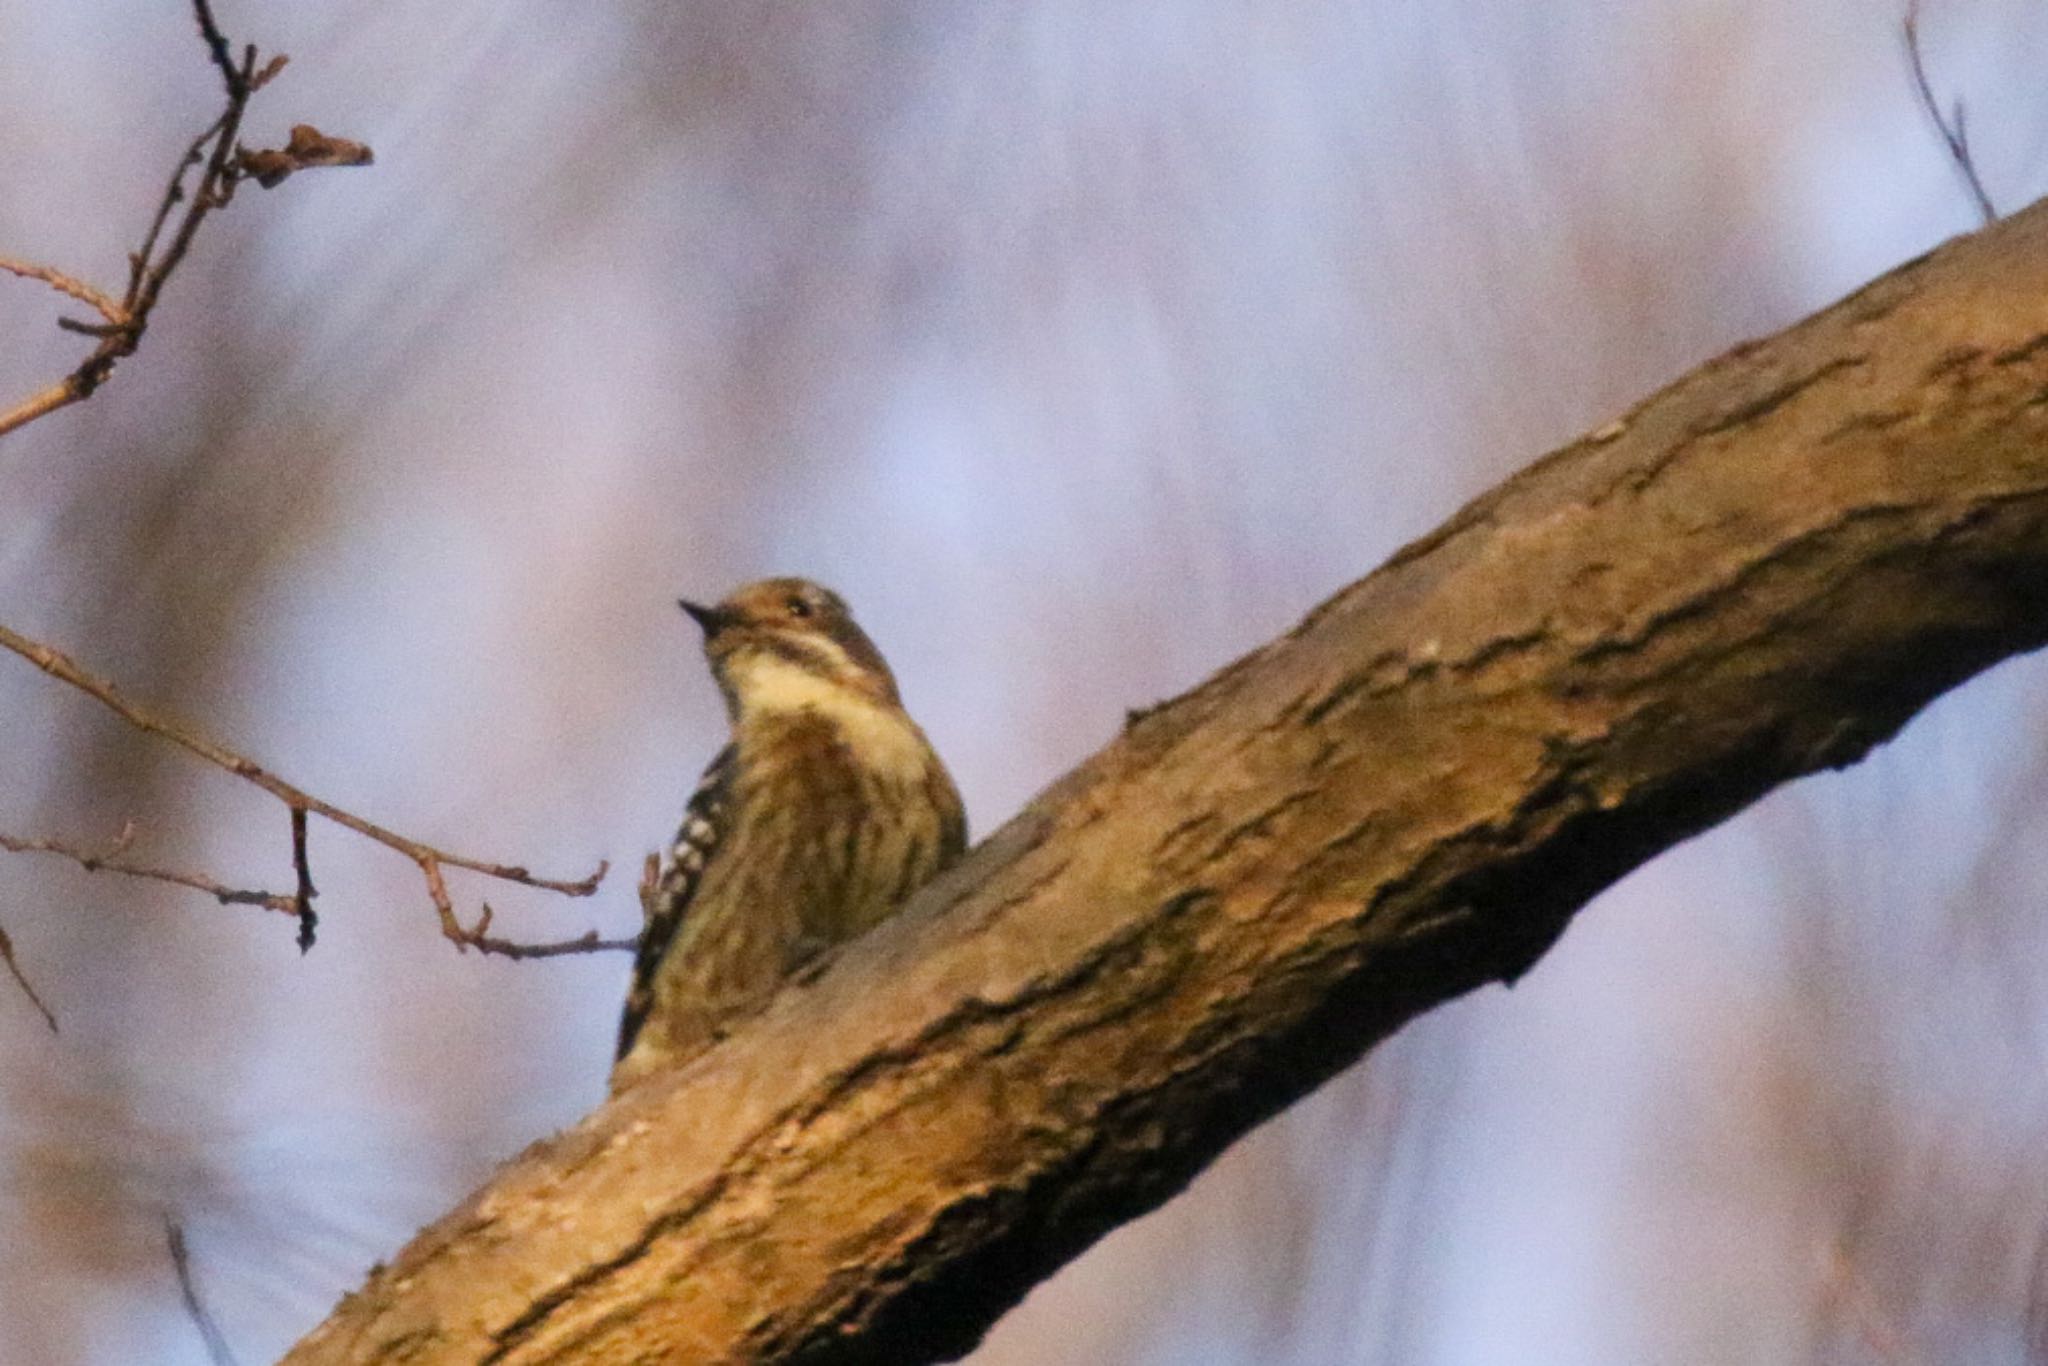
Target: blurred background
<point>1082,345</point>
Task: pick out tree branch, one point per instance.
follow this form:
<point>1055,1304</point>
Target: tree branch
<point>1762,571</point>
<point>1951,127</point>
<point>21,980</point>
<point>67,285</point>
<point>112,859</point>
<point>429,859</point>
<point>217,1349</point>
<point>225,163</point>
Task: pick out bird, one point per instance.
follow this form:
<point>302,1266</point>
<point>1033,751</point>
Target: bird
<point>824,811</point>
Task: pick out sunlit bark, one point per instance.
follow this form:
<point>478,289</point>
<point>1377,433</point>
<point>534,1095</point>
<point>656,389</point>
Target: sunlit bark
<point>1761,571</point>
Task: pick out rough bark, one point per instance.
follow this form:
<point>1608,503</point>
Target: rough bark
<point>1761,571</point>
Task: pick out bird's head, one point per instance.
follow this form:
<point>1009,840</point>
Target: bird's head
<point>776,643</point>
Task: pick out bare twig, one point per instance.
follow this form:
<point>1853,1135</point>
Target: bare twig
<point>225,163</point>
<point>21,980</point>
<point>302,898</point>
<point>426,857</point>
<point>66,391</point>
<point>112,860</point>
<point>236,79</point>
<point>480,938</point>
<point>216,187</point>
<point>1954,134</point>
<point>78,289</point>
<point>188,1290</point>
<point>67,670</point>
<point>174,195</point>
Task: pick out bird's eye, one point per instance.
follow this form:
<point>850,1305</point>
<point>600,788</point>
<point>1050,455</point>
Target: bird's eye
<point>799,608</point>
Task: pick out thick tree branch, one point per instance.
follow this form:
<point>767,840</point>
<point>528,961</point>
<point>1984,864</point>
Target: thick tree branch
<point>1762,571</point>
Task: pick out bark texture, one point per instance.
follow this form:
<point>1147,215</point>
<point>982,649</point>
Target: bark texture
<point>1761,571</point>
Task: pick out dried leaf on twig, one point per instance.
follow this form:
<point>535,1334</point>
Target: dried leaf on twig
<point>308,148</point>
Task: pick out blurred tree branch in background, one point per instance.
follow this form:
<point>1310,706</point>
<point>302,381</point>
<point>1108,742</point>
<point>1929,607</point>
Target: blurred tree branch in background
<point>1951,127</point>
<point>217,1348</point>
<point>1762,571</point>
<point>20,978</point>
<point>223,164</point>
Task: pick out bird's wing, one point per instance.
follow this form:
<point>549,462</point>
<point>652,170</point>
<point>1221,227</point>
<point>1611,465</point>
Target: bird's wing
<point>681,873</point>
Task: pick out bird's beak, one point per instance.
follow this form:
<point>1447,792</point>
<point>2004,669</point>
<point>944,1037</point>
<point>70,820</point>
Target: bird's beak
<point>709,618</point>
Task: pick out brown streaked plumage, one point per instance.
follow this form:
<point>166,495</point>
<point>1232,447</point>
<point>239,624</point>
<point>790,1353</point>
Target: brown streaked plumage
<point>826,810</point>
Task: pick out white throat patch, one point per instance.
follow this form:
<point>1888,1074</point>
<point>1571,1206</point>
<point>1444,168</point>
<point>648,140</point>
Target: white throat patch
<point>882,734</point>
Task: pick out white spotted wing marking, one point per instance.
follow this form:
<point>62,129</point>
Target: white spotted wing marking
<point>681,872</point>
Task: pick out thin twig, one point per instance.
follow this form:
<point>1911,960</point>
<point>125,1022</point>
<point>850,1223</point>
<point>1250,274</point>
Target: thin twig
<point>216,188</point>
<point>426,857</point>
<point>224,163</point>
<point>21,980</point>
<point>112,860</point>
<point>173,195</point>
<point>63,393</point>
<point>188,1290</point>
<point>86,329</point>
<point>483,941</point>
<point>1954,134</point>
<point>302,898</point>
<point>65,669</point>
<point>217,43</point>
<point>86,294</point>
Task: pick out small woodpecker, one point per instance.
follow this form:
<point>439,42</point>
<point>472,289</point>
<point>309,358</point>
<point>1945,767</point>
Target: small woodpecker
<point>825,810</point>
